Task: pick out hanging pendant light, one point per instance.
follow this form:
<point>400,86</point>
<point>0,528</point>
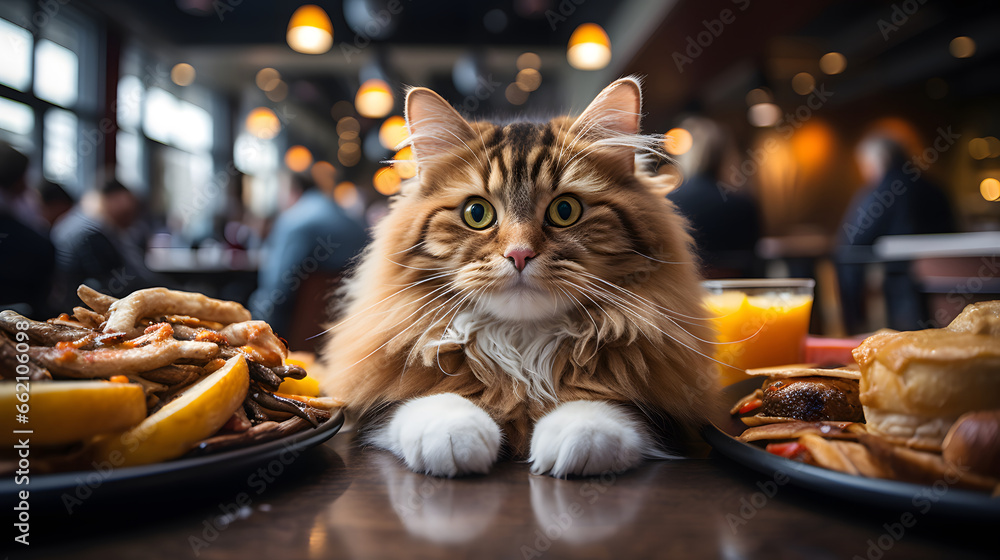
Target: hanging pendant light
<point>310,30</point>
<point>589,47</point>
<point>374,99</point>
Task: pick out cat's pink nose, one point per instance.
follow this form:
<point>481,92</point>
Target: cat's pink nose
<point>519,257</point>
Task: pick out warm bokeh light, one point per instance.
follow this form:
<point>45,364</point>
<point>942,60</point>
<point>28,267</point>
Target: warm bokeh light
<point>393,132</point>
<point>758,95</point>
<point>529,79</point>
<point>310,30</point>
<point>298,158</point>
<point>529,60</point>
<point>677,141</point>
<point>979,148</point>
<point>374,99</point>
<point>803,83</point>
<point>403,163</point>
<point>833,63</point>
<point>589,48</point>
<point>515,94</point>
<point>990,189</point>
<point>962,47</point>
<point>263,123</point>
<point>349,154</point>
<point>994,146</point>
<point>323,174</point>
<point>267,79</point>
<point>182,74</point>
<point>348,128</point>
<point>278,92</point>
<point>386,181</point>
<point>812,145</point>
<point>345,194</point>
<point>764,114</point>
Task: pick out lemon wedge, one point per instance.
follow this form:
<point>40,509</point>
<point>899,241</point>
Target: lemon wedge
<point>173,430</point>
<point>62,412</point>
<point>308,386</point>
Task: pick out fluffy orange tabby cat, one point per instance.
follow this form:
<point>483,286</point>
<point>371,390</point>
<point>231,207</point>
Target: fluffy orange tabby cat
<point>532,289</point>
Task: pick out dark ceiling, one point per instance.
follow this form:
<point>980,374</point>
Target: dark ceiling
<point>440,22</point>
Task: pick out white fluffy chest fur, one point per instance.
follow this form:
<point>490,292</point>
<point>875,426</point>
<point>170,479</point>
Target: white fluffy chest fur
<point>524,350</point>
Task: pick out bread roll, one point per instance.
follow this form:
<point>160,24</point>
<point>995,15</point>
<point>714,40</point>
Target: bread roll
<point>914,385</point>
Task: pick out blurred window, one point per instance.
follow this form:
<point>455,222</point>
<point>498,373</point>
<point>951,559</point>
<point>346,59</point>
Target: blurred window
<point>260,161</point>
<point>176,122</point>
<point>17,118</point>
<point>15,64</point>
<point>130,159</point>
<point>158,115</point>
<point>57,73</point>
<point>61,146</point>
<point>49,81</point>
<point>129,108</point>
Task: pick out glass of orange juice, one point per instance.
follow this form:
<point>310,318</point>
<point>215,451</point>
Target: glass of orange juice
<point>759,322</point>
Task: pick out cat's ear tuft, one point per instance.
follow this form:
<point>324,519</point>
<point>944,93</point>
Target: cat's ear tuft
<point>435,127</point>
<point>616,110</point>
<point>612,119</point>
<point>666,179</point>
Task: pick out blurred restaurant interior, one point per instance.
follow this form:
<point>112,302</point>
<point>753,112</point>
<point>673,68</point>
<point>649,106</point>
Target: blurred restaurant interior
<point>187,127</point>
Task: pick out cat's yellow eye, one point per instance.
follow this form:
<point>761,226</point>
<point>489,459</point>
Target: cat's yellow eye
<point>478,213</point>
<point>565,211</point>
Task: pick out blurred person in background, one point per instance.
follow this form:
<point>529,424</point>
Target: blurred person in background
<point>312,235</point>
<point>56,202</point>
<point>725,222</point>
<point>27,257</point>
<point>896,200</point>
<point>95,245</point>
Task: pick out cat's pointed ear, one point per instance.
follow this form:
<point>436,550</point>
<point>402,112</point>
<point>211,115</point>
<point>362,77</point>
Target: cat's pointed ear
<point>615,112</point>
<point>435,127</point>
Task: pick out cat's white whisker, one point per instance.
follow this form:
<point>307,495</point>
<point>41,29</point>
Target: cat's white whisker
<point>377,303</point>
<point>473,152</point>
<point>659,261</point>
<point>644,300</point>
<point>417,267</point>
<point>636,307</point>
<point>410,248</point>
<point>597,330</point>
<point>400,333</point>
<point>447,141</point>
<point>456,309</point>
<point>675,339</point>
<point>436,276</point>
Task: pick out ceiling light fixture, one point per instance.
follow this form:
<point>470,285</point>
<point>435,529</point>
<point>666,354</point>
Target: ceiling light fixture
<point>374,99</point>
<point>310,30</point>
<point>589,47</point>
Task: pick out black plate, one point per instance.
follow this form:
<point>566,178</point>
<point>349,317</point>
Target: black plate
<point>939,499</point>
<point>123,481</point>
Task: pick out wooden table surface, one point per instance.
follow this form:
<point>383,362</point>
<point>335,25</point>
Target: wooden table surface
<point>341,500</point>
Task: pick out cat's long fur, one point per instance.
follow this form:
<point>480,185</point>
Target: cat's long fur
<point>614,310</point>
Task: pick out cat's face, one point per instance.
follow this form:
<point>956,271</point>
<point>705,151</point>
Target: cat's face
<point>526,219</point>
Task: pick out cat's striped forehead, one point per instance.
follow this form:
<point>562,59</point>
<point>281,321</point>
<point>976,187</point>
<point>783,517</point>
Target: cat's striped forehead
<point>519,159</point>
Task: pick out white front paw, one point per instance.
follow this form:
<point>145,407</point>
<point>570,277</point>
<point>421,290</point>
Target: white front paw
<point>586,438</point>
<point>442,435</point>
